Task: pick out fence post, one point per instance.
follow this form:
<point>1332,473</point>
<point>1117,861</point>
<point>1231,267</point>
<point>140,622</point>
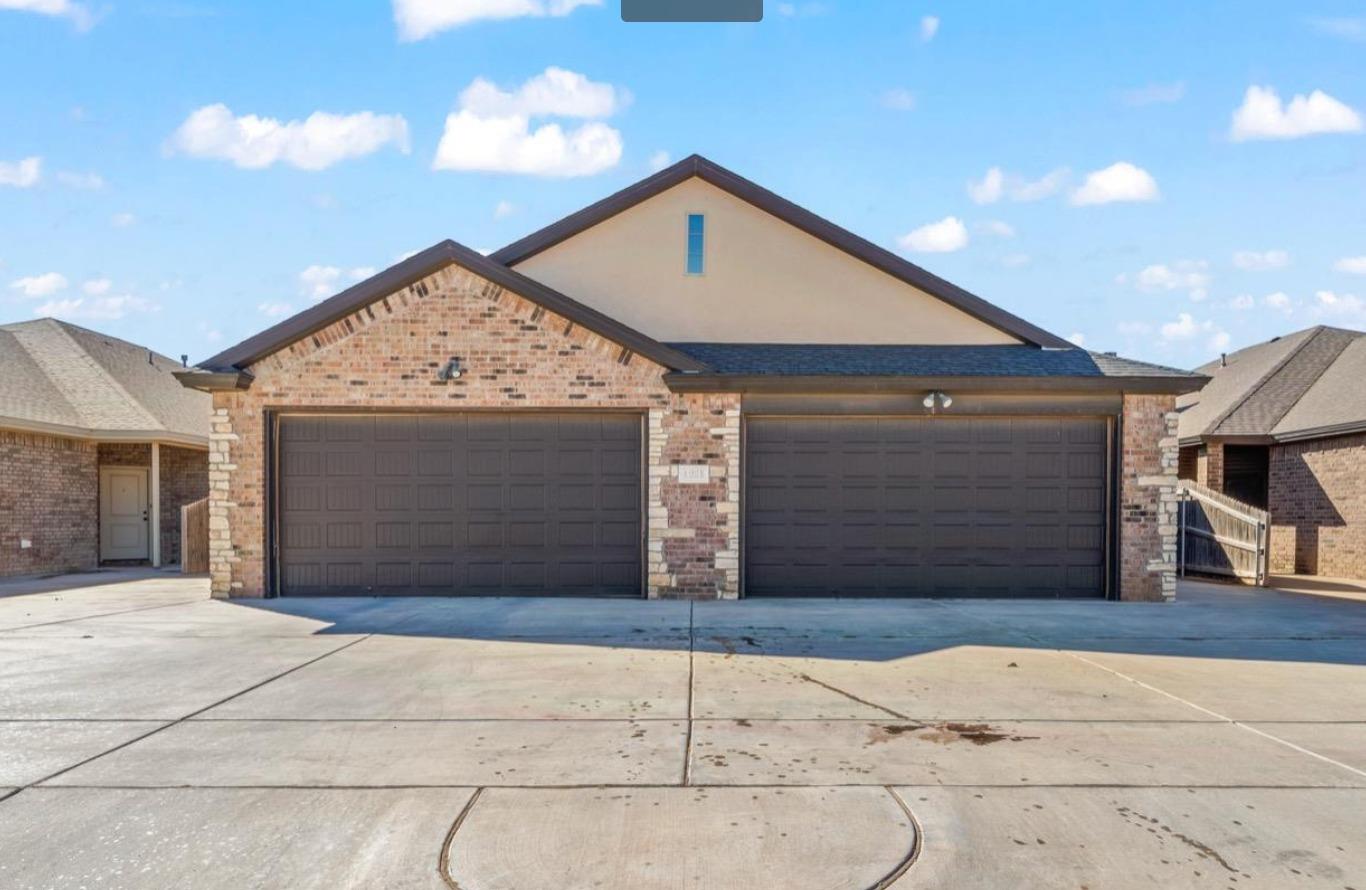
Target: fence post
<point>1181,531</point>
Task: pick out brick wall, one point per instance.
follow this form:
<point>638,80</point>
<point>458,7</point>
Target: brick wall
<point>516,355</point>
<point>1148,502</point>
<point>1317,493</point>
<point>1209,466</point>
<point>49,489</point>
<point>125,454</point>
<point>184,478</point>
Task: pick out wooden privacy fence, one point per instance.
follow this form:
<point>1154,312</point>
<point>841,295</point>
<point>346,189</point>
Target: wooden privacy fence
<point>194,537</point>
<point>1221,536</point>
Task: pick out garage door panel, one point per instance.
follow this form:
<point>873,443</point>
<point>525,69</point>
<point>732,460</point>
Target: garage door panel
<point>925,507</point>
<point>461,504</point>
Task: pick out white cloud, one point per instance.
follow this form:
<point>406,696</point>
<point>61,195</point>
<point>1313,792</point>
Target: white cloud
<point>996,184</point>
<point>1340,307</point>
<point>77,13</point>
<point>21,174</point>
<point>275,310</point>
<point>1121,181</point>
<point>40,285</point>
<point>96,308</point>
<point>1242,302</point>
<point>1077,339</point>
<point>945,236</point>
<point>1355,265</point>
<point>1263,116</point>
<point>123,220</point>
<point>1155,94</point>
<point>86,181</point>
<point>989,189</point>
<point>419,19</point>
<point>1186,329</point>
<point>1261,260</point>
<point>898,99</point>
<point>555,92</point>
<point>929,26</point>
<point>491,132</point>
<point>1345,28</point>
<point>210,333</point>
<point>315,143</point>
<point>1188,275</point>
<point>996,228</point>
<point>659,160</point>
<point>97,286</point>
<point>318,281</point>
<point>504,209</point>
<point>1279,300</point>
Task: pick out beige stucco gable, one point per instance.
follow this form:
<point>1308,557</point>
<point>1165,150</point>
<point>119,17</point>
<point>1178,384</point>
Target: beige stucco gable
<point>765,280</point>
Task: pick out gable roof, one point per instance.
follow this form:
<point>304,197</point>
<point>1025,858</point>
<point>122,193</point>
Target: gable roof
<point>63,379</point>
<point>1296,386</point>
<point>415,268</point>
<point>790,213</point>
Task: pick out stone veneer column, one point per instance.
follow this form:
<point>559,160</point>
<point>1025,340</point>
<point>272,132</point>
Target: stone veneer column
<point>221,553</point>
<point>693,529</point>
<point>1148,498</point>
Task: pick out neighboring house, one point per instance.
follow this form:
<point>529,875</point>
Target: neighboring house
<point>1282,426</point>
<point>99,449</point>
<point>693,388</point>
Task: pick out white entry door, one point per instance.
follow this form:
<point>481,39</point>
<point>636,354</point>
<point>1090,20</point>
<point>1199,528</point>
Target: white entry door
<point>123,513</point>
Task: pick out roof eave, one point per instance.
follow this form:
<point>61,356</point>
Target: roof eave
<point>795,215</point>
<point>92,434</point>
<point>868,383</point>
<point>1322,432</point>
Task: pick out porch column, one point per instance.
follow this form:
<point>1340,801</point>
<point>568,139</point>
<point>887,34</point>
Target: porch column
<point>156,504</point>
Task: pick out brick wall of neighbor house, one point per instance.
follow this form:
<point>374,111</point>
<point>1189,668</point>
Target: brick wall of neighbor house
<point>125,454</point>
<point>517,355</point>
<point>184,478</point>
<point>1317,493</point>
<point>1209,466</point>
<point>1148,498</point>
<point>1188,463</point>
<point>49,489</point>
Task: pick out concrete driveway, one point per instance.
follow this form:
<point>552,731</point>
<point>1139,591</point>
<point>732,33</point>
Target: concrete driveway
<point>154,738</point>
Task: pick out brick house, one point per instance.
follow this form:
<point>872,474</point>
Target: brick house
<point>692,388</point>
<point>99,449</point>
<point>1282,426</point>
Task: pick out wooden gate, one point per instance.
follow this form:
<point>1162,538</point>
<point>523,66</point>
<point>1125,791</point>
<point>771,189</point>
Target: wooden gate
<point>1222,536</point>
<point>194,537</point>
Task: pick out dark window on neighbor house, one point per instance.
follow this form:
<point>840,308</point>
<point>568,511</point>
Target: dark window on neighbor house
<point>696,243</point>
<point>1245,473</point>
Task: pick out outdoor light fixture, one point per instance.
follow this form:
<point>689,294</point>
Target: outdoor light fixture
<point>943,399</point>
<point>450,371</point>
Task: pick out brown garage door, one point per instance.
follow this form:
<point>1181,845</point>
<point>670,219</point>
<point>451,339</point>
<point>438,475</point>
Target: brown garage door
<point>474,503</point>
<point>998,507</point>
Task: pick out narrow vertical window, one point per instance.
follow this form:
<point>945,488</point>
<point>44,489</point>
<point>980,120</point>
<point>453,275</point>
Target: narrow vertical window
<point>696,243</point>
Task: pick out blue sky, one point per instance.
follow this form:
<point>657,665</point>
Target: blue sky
<point>1130,207</point>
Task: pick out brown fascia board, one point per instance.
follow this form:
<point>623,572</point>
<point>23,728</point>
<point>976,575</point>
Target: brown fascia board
<point>775,383</point>
<point>792,214</point>
<point>414,269</point>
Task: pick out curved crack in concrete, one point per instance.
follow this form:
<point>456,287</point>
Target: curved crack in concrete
<point>883,883</point>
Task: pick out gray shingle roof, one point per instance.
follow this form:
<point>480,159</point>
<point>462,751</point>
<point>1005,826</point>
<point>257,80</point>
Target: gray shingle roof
<point>1286,386</point>
<point>917,361</point>
<point>60,375</point>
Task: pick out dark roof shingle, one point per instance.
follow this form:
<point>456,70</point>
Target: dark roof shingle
<point>916,361</point>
